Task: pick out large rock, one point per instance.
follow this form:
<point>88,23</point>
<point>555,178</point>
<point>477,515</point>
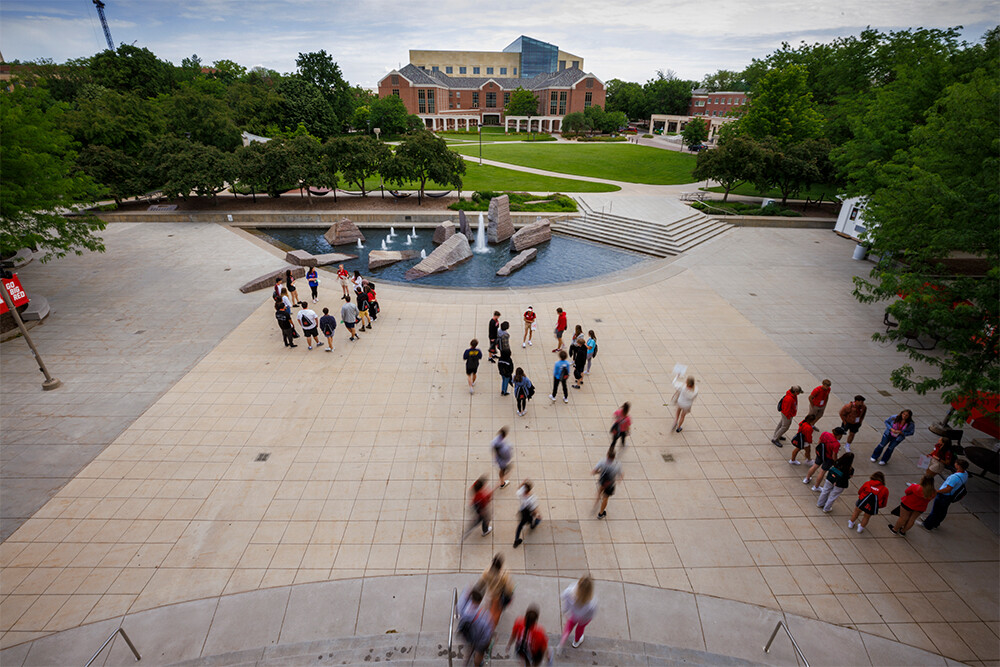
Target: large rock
<point>518,262</point>
<point>343,232</point>
<point>266,281</point>
<point>305,258</point>
<point>499,228</point>
<point>444,231</point>
<point>463,225</point>
<point>537,232</point>
<point>379,258</point>
<point>446,256</point>
<point>333,258</point>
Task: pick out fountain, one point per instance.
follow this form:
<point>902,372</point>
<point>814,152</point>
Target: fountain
<point>383,245</point>
<point>423,254</point>
<point>392,231</point>
<point>480,246</point>
<point>414,232</point>
<point>409,241</point>
<point>388,238</point>
<point>360,244</point>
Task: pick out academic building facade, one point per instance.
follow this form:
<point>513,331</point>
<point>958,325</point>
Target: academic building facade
<point>463,89</point>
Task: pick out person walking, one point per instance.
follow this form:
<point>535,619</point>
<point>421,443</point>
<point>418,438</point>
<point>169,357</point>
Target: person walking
<point>914,502</point>
<point>872,495</point>
<point>285,324</point>
<point>788,406</point>
<point>591,350</point>
<point>560,328</point>
<point>621,425</point>
<point>362,299</point>
<point>952,491</point>
<point>290,287</point>
<point>837,480</point>
<point>344,277</point>
<point>608,473</point>
<point>523,391</point>
<point>686,393</point>
<point>496,581</point>
<point>502,454</point>
<point>476,624</point>
<point>851,416</point>
<point>309,322</point>
<point>579,351</point>
<point>328,324</point>
<point>494,329</point>
<point>529,326</point>
<point>528,512</point>
<point>312,277</point>
<point>349,316</point>
<point>373,307</point>
<point>506,369</point>
<point>827,450</point>
<point>579,606</point>
<point>897,428</point>
<point>481,497</point>
<point>532,644</point>
<point>818,399</point>
<point>803,440</point>
<point>503,337</point>
<point>560,372</point>
<point>472,357</point>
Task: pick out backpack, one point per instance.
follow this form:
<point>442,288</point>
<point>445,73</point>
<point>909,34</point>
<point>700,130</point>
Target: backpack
<point>594,353</point>
<point>959,493</point>
<point>565,373</point>
<point>780,401</point>
<point>835,474</point>
<point>477,629</point>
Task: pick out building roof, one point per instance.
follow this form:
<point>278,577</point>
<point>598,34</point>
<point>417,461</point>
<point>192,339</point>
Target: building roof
<point>566,78</point>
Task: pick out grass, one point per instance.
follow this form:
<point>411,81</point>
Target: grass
<point>619,162</point>
<point>466,137</point>
<point>744,208</point>
<point>488,177</point>
<point>827,190</point>
<point>553,203</point>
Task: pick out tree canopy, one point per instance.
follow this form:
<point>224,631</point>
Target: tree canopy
<point>522,103</point>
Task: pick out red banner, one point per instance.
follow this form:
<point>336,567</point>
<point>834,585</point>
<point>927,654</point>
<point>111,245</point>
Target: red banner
<point>17,293</point>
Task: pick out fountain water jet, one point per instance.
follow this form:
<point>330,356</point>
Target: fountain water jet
<point>414,232</point>
<point>383,245</point>
<point>409,241</point>
<point>423,254</point>
<point>392,231</point>
<point>360,244</point>
<point>480,246</point>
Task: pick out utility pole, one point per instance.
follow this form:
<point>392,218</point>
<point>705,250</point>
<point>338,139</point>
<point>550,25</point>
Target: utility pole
<point>104,24</point>
<point>50,382</point>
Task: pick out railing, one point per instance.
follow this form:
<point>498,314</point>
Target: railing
<point>108,641</point>
<point>451,623</point>
<point>798,651</point>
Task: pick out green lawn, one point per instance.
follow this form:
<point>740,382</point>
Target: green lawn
<point>619,162</point>
<point>487,177</point>
<point>827,190</point>
<point>473,137</point>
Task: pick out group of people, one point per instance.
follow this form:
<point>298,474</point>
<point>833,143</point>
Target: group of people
<point>286,297</point>
<point>832,469</point>
<point>480,607</point>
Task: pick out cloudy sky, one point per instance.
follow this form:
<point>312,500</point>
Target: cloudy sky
<point>617,38</point>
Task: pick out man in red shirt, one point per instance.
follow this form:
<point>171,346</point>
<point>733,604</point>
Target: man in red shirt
<point>788,407</point>
<point>560,328</point>
<point>529,321</point>
<point>818,400</point>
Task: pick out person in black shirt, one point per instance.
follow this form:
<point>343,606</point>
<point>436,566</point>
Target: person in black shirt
<point>472,357</point>
<point>494,328</point>
<point>506,368</point>
<point>327,324</point>
<point>579,352</point>
<point>363,309</point>
<point>285,324</point>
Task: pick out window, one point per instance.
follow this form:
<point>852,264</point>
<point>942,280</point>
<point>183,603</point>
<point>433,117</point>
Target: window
<point>491,100</point>
<point>506,99</point>
<point>515,71</point>
<point>729,100</point>
<point>489,70</point>
<point>576,64</point>
<point>434,68</point>
<point>395,79</point>
<point>430,101</point>
<point>449,69</point>
<point>562,65</point>
<point>475,70</point>
<point>590,83</point>
<point>588,99</point>
<point>553,101</point>
<point>421,102</point>
<point>458,94</point>
<point>450,105</point>
<point>395,91</point>
<point>699,103</point>
<point>458,105</point>
<point>562,103</point>
<point>475,100</point>
<point>503,71</point>
<point>461,70</point>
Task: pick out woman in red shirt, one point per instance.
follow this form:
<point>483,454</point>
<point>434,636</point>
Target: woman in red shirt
<point>872,495</point>
<point>803,440</point>
<point>913,503</point>
<point>345,279</point>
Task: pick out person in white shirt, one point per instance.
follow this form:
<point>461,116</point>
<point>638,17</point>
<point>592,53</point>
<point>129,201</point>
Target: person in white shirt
<point>309,322</point>
<point>579,607</point>
<point>686,393</point>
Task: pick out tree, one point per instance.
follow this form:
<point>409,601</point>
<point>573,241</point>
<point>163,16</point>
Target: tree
<point>522,103</point>
<point>319,69</point>
<point>130,68</point>
<point>361,119</point>
<point>781,106</point>
<point>41,182</point>
<point>305,166</point>
<point>595,118</point>
<point>695,132</point>
<point>424,157</point>
<point>724,79</point>
<point>253,106</point>
<point>575,122</point>
<point>389,114</point>
<point>735,161</point>
<point>123,121</point>
<point>791,167</point>
<point>182,166</point>
<point>361,158</point>
<point>304,103</point>
<point>227,71</point>
<point>627,97</point>
<point>121,174</point>
<point>200,116</point>
<point>667,94</point>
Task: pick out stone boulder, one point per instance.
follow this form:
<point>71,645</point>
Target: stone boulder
<point>343,232</point>
<point>379,258</point>
<point>266,281</point>
<point>463,225</point>
<point>537,232</point>
<point>300,258</point>
<point>446,256</point>
<point>444,231</point>
<point>332,258</point>
<point>499,227</point>
<point>518,262</point>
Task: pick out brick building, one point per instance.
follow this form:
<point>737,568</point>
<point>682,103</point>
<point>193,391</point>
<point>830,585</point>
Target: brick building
<point>716,105</point>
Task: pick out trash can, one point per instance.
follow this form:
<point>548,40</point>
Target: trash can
<point>860,252</point>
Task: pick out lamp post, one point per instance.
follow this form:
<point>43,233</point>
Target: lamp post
<point>50,382</point>
<point>480,126</point>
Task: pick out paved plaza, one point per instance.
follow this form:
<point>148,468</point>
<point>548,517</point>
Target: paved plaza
<point>369,452</point>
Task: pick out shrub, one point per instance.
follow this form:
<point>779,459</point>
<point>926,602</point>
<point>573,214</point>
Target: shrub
<point>647,136</point>
<point>554,203</point>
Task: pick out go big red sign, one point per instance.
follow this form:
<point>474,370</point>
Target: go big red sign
<point>16,292</point>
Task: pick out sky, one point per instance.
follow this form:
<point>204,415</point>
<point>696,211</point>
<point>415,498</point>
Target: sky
<point>620,39</point>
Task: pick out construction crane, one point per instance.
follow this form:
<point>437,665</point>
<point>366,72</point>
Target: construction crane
<point>104,24</point>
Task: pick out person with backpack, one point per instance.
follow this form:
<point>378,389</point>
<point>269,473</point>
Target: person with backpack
<point>503,337</point>
<point>523,391</point>
<point>872,495</point>
<point>373,307</point>
<point>496,581</point>
<point>560,373</point>
<point>502,454</point>
<point>285,324</point>
<point>506,369</point>
<point>826,455</point>
<point>579,351</point>
<point>914,502</point>
<point>952,491</point>
<point>686,393</point>
<point>312,277</point>
<point>788,406</point>
<point>608,473</point>
<point>309,322</point>
<point>364,318</point>
<point>472,357</point>
<point>579,607</point>
<point>897,428</point>
<point>803,440</point>
<point>482,496</point>
<point>621,425</point>
<point>837,480</point>
<point>532,644</point>
<point>591,350</point>
<point>328,324</point>
<point>476,624</point>
<point>529,515</point>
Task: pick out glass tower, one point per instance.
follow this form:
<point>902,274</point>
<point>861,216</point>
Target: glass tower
<point>537,57</point>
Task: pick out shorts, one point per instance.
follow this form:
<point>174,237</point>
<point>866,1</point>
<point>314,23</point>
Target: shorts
<point>826,465</point>
<point>853,428</point>
<point>310,333</point>
<point>609,490</point>
<point>504,469</point>
<point>493,343</point>
<point>560,332</point>
<point>471,369</point>
<point>349,325</point>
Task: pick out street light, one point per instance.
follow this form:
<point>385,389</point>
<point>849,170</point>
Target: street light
<point>480,126</point>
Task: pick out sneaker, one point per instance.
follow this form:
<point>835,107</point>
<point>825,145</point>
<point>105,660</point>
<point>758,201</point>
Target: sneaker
<point>679,429</point>
<point>505,484</point>
<point>556,350</point>
<point>827,511</point>
<point>565,400</point>
<point>781,437</point>
<point>861,528</point>
<point>815,488</point>
<point>893,529</point>
<point>850,524</point>
<point>601,515</point>
<point>794,462</point>
<point>293,345</point>
<point>776,443</point>
<point>552,397</point>
<point>517,542</point>
<point>329,349</point>
<point>310,347</point>
<point>805,480</point>
<point>881,463</point>
<point>920,522</point>
<point>471,390</point>
<point>576,386</point>
<point>524,345</point>
<point>530,343</point>
<point>585,373</point>
<point>488,531</point>
<point>872,459</point>
<point>576,644</point>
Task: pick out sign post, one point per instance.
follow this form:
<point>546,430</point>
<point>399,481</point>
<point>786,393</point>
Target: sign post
<point>14,295</point>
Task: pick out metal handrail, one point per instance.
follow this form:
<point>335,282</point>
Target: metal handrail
<point>798,651</point>
<point>108,641</point>
<point>451,623</point>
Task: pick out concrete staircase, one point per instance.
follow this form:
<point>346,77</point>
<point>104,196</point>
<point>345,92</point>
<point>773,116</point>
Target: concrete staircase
<point>669,234</point>
<point>432,649</point>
